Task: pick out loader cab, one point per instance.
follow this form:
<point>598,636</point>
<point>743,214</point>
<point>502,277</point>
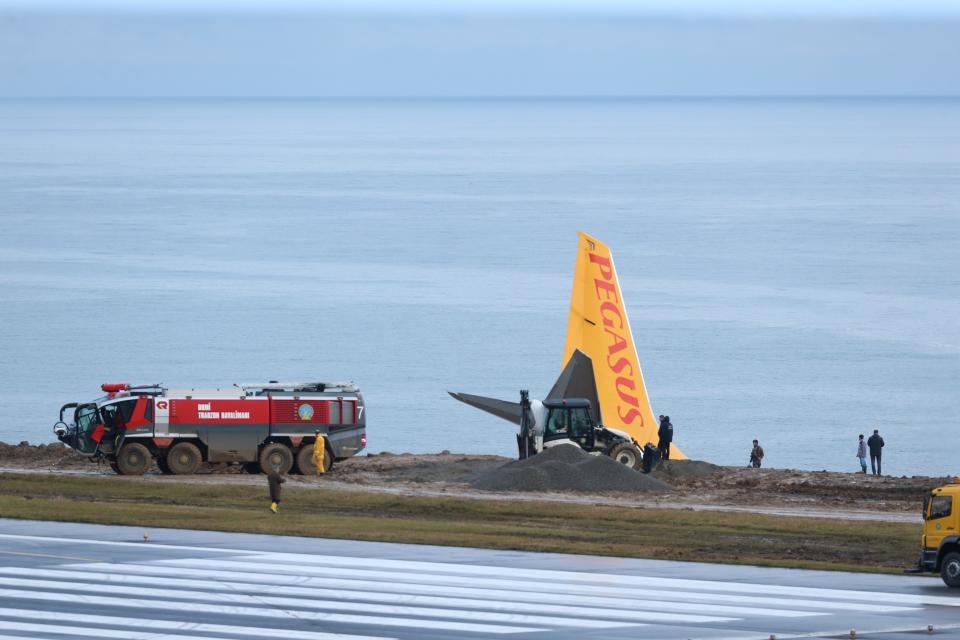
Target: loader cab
<point>569,420</point>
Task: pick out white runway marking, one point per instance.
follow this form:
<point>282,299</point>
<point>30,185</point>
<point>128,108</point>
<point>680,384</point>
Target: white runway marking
<point>597,578</point>
<point>543,574</point>
<point>234,610</point>
<point>559,582</point>
<point>118,634</point>
<point>322,594</point>
<point>517,591</point>
<point>330,603</point>
<point>330,595</point>
<point>915,631</point>
<point>93,622</point>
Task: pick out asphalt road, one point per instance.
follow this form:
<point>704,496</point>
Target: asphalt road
<point>66,581</point>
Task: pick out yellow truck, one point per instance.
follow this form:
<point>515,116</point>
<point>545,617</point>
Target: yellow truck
<point>941,534</point>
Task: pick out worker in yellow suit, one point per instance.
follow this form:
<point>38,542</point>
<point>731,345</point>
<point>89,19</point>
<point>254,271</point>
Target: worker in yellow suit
<point>319,449</point>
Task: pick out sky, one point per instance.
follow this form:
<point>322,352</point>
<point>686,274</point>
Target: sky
<point>903,8</point>
<point>467,48</point>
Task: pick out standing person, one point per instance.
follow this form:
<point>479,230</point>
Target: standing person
<point>875,444</point>
<point>862,454</point>
<point>666,437</point>
<point>319,449</point>
<point>756,455</point>
<point>274,479</point>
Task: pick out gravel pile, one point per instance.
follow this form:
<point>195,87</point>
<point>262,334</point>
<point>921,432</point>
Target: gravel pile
<point>567,468</point>
<point>673,469</point>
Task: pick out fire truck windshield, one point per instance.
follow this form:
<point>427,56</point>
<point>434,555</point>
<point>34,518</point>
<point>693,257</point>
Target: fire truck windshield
<point>86,419</point>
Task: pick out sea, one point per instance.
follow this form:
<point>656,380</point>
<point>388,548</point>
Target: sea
<point>791,267</point>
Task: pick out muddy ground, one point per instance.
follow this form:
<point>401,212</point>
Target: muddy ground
<point>696,485</point>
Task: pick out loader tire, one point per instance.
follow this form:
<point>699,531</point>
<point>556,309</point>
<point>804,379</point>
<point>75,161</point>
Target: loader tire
<point>184,459</point>
<point>950,570</point>
<point>305,460</point>
<point>133,459</point>
<point>627,454</point>
<point>276,454</point>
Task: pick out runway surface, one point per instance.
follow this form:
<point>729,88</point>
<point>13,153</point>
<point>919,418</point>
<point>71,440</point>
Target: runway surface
<point>67,581</point>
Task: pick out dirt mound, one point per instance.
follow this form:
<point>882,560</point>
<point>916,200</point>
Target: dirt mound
<point>567,468</point>
<point>674,469</point>
<point>41,455</point>
<point>832,486</point>
<point>443,467</point>
<point>694,483</point>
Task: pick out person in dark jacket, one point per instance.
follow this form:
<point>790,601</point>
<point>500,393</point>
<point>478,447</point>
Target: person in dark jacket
<point>875,444</point>
<point>666,437</point>
<point>756,455</point>
<point>274,479</point>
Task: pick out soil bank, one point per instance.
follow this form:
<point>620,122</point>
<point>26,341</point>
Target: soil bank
<point>696,485</point>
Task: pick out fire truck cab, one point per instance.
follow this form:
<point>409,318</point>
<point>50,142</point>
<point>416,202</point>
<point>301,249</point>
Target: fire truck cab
<point>260,426</point>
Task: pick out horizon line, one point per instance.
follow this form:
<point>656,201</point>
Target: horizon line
<point>492,98</point>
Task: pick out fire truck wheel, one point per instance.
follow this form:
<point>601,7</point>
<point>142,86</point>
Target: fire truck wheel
<point>305,460</point>
<point>184,458</point>
<point>950,570</point>
<point>133,459</point>
<point>627,454</point>
<point>162,465</point>
<point>276,454</point>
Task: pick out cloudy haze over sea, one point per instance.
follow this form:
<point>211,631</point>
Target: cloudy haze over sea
<point>393,197</point>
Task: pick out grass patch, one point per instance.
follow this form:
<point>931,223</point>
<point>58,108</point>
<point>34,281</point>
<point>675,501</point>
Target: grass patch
<point>812,543</point>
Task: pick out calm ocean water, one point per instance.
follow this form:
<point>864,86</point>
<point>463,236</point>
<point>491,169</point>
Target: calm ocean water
<point>792,268</point>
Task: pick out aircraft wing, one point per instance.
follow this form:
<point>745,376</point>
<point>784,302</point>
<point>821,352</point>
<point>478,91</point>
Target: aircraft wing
<point>500,408</point>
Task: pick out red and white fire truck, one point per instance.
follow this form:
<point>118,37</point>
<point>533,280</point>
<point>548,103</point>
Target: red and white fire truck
<point>260,426</point>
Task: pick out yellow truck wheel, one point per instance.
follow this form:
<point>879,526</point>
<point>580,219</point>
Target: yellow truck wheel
<point>950,570</point>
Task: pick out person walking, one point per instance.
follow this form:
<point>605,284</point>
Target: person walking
<point>862,454</point>
<point>875,444</point>
<point>756,455</point>
<point>666,437</point>
<point>274,480</point>
<point>319,449</point>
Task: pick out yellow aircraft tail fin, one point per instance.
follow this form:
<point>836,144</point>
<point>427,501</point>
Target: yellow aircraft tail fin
<point>599,327</point>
